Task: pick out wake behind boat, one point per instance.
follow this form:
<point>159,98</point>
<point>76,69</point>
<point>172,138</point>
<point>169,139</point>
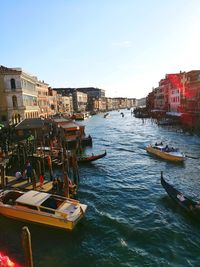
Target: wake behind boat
<point>166,152</point>
<point>43,208</point>
<point>179,198</point>
<point>90,158</point>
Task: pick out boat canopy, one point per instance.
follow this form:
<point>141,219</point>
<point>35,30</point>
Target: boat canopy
<point>33,198</point>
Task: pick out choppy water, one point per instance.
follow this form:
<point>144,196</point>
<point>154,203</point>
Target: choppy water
<point>130,220</point>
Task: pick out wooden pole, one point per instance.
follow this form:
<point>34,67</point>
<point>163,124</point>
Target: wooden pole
<point>33,179</point>
<point>26,243</point>
<point>65,174</point>
<point>2,169</point>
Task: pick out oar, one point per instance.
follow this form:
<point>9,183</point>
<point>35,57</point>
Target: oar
<point>191,157</point>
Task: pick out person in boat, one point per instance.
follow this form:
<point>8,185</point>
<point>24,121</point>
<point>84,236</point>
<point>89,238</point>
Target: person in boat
<point>166,149</point>
<point>158,144</point>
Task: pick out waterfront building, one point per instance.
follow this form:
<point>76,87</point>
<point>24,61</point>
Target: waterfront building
<point>18,95</point>
<point>141,103</point>
<point>42,98</point>
<point>92,92</point>
<point>67,102</point>
<point>131,102</point>
<point>52,97</point>
<point>191,86</point>
<point>80,101</point>
<point>121,102</point>
<point>109,104</point>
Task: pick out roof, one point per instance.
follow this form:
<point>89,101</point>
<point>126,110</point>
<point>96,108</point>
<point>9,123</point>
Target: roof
<point>33,198</point>
<point>5,70</point>
<point>31,123</point>
<point>70,125</point>
<point>60,120</point>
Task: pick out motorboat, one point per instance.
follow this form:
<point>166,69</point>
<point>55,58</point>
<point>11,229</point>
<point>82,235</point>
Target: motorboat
<point>166,152</point>
<point>43,208</point>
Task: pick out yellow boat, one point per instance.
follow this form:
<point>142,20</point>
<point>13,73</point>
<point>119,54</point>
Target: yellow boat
<point>43,208</point>
<point>165,152</point>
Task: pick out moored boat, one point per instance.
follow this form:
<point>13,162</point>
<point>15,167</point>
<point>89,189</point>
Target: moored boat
<point>166,152</point>
<point>179,198</point>
<point>89,158</point>
<point>43,208</point>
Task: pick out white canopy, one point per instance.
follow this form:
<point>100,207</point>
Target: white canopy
<point>33,198</point>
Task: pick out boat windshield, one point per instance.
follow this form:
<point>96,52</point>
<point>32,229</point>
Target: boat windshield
<point>51,204</point>
<point>11,196</point>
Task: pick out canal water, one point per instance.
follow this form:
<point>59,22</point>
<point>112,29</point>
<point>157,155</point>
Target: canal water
<point>130,220</point>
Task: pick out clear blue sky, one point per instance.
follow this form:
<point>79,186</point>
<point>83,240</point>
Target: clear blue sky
<point>122,46</point>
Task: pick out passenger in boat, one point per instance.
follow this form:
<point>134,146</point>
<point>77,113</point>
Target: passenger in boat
<point>166,148</point>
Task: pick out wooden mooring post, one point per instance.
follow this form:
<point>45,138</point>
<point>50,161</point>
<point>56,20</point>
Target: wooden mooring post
<point>26,243</point>
<point>2,174</point>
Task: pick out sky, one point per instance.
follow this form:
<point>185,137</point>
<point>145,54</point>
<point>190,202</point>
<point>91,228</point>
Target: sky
<point>122,46</point>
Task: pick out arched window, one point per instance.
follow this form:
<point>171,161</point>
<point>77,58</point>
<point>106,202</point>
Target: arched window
<point>12,84</point>
<point>14,100</point>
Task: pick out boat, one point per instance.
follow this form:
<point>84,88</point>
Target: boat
<point>106,115</point>
<point>166,122</point>
<point>166,152</point>
<point>42,208</point>
<point>179,198</point>
<point>89,158</point>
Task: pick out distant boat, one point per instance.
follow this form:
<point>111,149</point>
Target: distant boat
<point>42,208</point>
<point>106,115</point>
<point>165,152</point>
<point>89,158</point>
<point>166,122</point>
<point>179,198</point>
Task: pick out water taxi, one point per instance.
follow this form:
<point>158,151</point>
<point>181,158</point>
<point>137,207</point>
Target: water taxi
<point>165,152</point>
<point>43,208</point>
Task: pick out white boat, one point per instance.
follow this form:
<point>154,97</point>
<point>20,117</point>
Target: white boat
<point>43,208</point>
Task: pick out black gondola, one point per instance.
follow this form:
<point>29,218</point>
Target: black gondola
<point>179,198</point>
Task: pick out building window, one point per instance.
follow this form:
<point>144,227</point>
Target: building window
<point>12,84</point>
<point>14,100</point>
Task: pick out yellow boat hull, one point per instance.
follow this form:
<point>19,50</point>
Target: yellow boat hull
<point>165,155</point>
<point>36,217</point>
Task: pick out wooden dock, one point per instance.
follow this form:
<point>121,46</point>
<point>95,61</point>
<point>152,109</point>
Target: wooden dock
<point>23,184</point>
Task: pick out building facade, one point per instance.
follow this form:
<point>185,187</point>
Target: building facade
<point>18,90</point>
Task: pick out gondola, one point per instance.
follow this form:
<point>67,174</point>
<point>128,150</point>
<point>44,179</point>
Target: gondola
<point>179,198</point>
<point>90,158</point>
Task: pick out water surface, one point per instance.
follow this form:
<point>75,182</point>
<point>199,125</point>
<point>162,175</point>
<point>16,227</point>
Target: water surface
<point>130,220</point>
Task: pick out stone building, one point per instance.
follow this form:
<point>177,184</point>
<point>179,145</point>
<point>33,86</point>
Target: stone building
<point>18,95</point>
